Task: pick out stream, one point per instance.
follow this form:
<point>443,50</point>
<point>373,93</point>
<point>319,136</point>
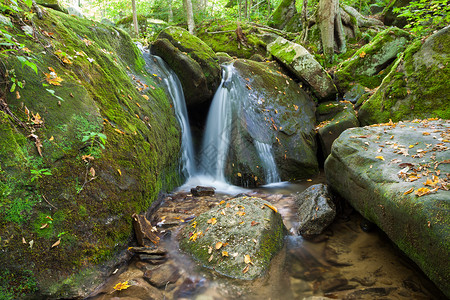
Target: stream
<point>344,262</point>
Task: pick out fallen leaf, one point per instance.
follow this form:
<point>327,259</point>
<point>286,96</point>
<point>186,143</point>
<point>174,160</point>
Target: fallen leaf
<point>56,243</point>
<point>44,226</point>
<point>210,250</point>
<point>254,223</point>
<point>247,259</point>
<point>409,191</point>
<point>120,172</point>
<point>92,172</point>
<point>239,174</point>
<point>212,221</point>
<point>222,202</point>
<point>145,97</point>
<point>23,240</point>
<point>31,243</point>
<point>379,157</point>
<point>271,207</point>
<point>121,286</point>
<point>210,258</point>
<point>362,54</point>
<point>246,269</point>
<point>224,253</point>
<point>422,192</point>
<point>240,213</point>
<point>219,245</point>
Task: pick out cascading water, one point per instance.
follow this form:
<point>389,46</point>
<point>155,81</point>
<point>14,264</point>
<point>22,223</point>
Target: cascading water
<point>173,86</point>
<point>218,126</point>
<point>266,156</point>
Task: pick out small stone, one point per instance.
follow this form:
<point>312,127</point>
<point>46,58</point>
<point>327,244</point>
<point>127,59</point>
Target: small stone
<point>163,275</point>
<point>201,191</point>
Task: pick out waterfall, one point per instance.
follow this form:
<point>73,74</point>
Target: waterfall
<point>266,156</point>
<point>173,86</point>
<point>216,140</point>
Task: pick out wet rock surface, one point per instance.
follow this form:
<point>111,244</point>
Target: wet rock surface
<point>368,267</point>
<point>397,176</point>
<point>316,210</point>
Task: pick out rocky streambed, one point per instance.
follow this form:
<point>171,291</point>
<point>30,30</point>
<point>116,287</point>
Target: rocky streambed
<point>344,262</point>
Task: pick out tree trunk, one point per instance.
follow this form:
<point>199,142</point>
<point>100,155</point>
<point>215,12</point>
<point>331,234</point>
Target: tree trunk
<point>170,16</point>
<point>331,28</point>
<point>189,16</point>
<point>135,20</point>
<point>305,20</point>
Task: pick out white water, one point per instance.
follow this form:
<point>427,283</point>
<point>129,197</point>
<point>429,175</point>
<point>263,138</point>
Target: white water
<point>270,167</point>
<point>175,90</point>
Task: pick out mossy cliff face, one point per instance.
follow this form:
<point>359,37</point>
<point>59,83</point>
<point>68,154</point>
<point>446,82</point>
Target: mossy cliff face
<point>371,63</point>
<point>221,36</point>
<point>85,205</point>
<point>195,64</point>
<point>272,110</point>
<point>416,87</point>
<point>393,175</point>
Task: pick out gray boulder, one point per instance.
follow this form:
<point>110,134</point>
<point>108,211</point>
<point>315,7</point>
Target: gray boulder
<point>273,112</point>
<point>396,176</point>
<point>316,210</point>
<point>195,64</point>
<point>237,238</point>
<point>298,60</point>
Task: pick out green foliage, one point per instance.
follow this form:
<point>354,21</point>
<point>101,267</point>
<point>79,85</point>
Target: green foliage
<point>94,139</point>
<point>425,16</point>
<point>14,285</point>
<point>37,174</point>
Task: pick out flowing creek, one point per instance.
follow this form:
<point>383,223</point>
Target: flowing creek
<point>344,262</point>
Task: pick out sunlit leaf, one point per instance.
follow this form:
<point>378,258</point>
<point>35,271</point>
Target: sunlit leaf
<point>422,192</point>
<point>247,259</point>
<point>224,253</point>
<point>271,207</point>
<point>218,245</point>
<point>379,157</point>
<point>409,191</point>
<point>247,267</point>
<point>56,243</point>
<point>212,221</point>
<point>122,286</point>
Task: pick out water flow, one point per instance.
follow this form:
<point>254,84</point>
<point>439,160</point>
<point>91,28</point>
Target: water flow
<point>173,86</point>
<point>218,125</point>
<point>266,156</point>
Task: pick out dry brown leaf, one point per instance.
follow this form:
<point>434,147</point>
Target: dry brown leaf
<point>246,269</point>
<point>56,243</point>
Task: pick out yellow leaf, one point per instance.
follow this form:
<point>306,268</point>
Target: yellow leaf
<point>145,97</point>
<point>52,138</point>
<point>247,259</point>
<point>246,269</point>
<point>422,192</point>
<point>240,213</point>
<point>271,207</point>
<point>379,157</point>
<point>194,224</point>
<point>362,54</point>
<point>212,221</point>
<point>219,245</point>
<point>224,253</point>
<point>239,174</point>
<point>121,286</point>
<point>120,172</point>
<point>411,146</point>
<point>222,202</point>
<point>409,191</point>
<point>119,131</point>
<point>56,243</point>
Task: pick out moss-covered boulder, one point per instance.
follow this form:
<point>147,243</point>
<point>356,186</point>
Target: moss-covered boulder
<point>371,63</point>
<point>53,4</point>
<point>195,64</point>
<point>416,87</point>
<point>335,118</point>
<point>273,112</point>
<point>90,139</point>
<point>283,14</point>
<point>237,238</point>
<point>298,60</point>
<point>396,176</point>
<point>221,36</point>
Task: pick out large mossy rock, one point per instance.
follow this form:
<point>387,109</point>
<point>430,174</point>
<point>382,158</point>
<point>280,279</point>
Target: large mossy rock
<point>195,64</point>
<point>281,16</point>
<point>53,4</point>
<point>110,143</point>
<point>385,172</point>
<point>221,36</point>
<point>237,238</point>
<point>371,63</point>
<point>274,111</point>
<point>299,61</point>
<point>416,87</point>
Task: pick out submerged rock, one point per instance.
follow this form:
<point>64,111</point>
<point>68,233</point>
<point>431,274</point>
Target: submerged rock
<point>298,60</point>
<point>416,87</point>
<point>396,176</point>
<point>195,64</point>
<point>316,210</point>
<point>370,64</point>
<point>237,238</point>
